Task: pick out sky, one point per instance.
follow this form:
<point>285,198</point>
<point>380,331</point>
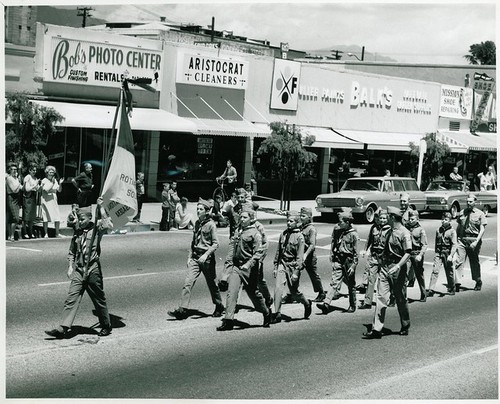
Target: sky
<point>423,32</point>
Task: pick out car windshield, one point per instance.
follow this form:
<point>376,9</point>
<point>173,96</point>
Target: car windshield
<point>362,185</point>
<point>445,186</point>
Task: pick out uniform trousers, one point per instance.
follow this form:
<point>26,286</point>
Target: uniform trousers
<point>193,272</point>
<point>440,261</point>
<point>164,222</point>
<point>386,284</point>
<point>94,286</point>
<point>371,270</point>
<point>283,280</point>
<point>417,268</point>
<point>311,266</point>
<point>262,285</point>
<point>463,251</point>
<point>249,281</point>
<point>339,274</point>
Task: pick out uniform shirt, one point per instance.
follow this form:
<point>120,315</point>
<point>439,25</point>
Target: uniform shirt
<point>205,238</point>
<point>345,242</point>
<point>418,238</point>
<point>399,241</point>
<point>164,199</point>
<point>377,238</point>
<point>471,227</point>
<point>78,254</point>
<point>309,232</point>
<point>291,251</point>
<point>265,244</point>
<point>406,216</point>
<point>245,248</point>
<point>84,181</point>
<point>446,241</point>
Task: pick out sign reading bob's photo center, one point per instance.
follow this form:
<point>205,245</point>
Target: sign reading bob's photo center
<point>73,56</point>
<point>207,70</point>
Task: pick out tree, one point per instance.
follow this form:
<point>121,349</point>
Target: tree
<point>483,53</point>
<point>437,152</point>
<point>32,125</point>
<point>287,157</point>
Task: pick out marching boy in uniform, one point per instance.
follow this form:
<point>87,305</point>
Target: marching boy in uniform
<point>288,262</point>
<point>344,259</point>
<point>84,270</point>
<point>445,247</point>
<point>418,249</point>
<point>310,260</point>
<point>242,268</point>
<point>201,259</point>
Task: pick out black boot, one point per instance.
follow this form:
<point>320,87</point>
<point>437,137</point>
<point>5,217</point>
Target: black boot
<point>307,309</point>
<point>479,284</point>
<point>267,319</point>
<point>227,325</point>
<point>321,296</point>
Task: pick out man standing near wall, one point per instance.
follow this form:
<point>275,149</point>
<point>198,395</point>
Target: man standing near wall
<point>83,183</point>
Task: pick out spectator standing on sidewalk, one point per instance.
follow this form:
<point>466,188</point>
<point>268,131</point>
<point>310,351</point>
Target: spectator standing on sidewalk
<point>201,259</point>
<point>445,247</point>
<point>141,191</point>
<point>165,208</point>
<point>30,192</point>
<point>471,226</point>
<point>85,272</point>
<point>83,183</point>
<point>12,189</point>
<point>454,175</point>
<point>310,260</point>
<point>173,200</point>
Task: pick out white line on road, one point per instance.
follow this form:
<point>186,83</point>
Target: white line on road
<point>23,248</point>
<point>106,278</point>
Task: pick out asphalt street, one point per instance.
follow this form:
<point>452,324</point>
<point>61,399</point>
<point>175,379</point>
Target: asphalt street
<point>451,352</point>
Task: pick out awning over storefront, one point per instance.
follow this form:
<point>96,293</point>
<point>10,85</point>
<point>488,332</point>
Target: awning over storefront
<point>102,116</point>
<point>479,142</point>
<point>327,138</point>
<point>382,140</point>
<point>454,144</point>
<point>225,127</point>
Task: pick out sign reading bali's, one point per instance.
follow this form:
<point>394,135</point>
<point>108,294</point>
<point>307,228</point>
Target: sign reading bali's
<point>285,87</point>
<point>76,61</point>
<point>207,70</point>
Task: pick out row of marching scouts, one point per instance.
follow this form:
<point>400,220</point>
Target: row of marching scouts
<point>394,250</point>
<point>394,253</point>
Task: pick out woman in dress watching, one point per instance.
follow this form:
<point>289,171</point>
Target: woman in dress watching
<point>50,209</point>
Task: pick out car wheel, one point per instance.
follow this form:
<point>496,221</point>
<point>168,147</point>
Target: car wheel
<point>486,209</point>
<point>454,210</point>
<point>370,214</point>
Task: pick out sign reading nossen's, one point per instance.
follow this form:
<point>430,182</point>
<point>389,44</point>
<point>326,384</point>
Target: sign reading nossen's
<point>207,70</point>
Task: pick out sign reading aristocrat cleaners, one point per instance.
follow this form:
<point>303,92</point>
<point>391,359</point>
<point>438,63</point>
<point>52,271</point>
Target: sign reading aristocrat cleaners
<point>76,56</point>
<point>207,70</point>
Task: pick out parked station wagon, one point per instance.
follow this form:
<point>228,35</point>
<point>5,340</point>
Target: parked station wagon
<point>366,194</point>
<point>451,196</point>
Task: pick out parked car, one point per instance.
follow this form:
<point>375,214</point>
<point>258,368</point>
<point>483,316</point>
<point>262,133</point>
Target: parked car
<point>366,194</point>
<point>451,196</point>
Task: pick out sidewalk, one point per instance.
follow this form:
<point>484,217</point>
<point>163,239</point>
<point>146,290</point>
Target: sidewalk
<point>151,215</point>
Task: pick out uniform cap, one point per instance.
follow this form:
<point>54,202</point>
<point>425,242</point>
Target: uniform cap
<point>293,214</point>
<point>472,196</point>
<point>86,211</point>
<point>392,210</point>
<point>206,204</point>
<point>404,197</point>
<point>306,211</point>
<point>346,213</point>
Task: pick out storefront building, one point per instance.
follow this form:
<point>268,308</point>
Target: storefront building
<point>215,103</point>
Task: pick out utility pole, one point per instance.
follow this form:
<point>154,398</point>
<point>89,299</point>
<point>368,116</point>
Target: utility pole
<point>337,55</point>
<point>84,12</point>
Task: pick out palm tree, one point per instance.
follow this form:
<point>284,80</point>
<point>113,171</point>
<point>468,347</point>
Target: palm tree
<point>483,53</point>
